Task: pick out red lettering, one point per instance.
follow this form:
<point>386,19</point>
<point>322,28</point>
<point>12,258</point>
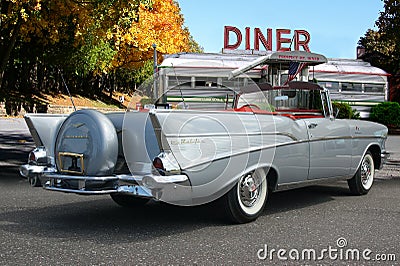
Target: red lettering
<point>247,36</point>
<point>302,43</point>
<point>258,36</point>
<point>313,58</point>
<point>238,34</point>
<point>281,40</point>
<point>292,57</point>
<point>301,39</point>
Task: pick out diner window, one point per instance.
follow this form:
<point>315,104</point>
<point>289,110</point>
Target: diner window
<point>330,85</point>
<point>378,88</point>
<point>351,86</point>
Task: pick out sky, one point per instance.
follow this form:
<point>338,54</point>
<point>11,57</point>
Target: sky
<point>335,26</point>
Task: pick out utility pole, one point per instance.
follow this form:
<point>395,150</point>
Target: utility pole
<point>155,92</point>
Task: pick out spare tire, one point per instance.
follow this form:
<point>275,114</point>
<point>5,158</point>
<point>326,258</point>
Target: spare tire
<point>86,144</point>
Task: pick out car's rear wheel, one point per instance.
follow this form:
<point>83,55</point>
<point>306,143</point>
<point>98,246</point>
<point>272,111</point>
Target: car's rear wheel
<point>246,200</point>
<point>34,181</point>
<point>362,181</point>
<point>128,201</point>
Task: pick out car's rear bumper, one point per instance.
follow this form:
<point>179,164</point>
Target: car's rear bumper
<point>173,189</point>
<point>30,170</point>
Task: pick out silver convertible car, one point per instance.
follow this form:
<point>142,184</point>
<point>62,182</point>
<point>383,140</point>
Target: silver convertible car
<point>205,142</point>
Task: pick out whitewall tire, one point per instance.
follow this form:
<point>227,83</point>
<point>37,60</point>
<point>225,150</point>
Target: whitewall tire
<point>362,181</point>
<point>246,200</point>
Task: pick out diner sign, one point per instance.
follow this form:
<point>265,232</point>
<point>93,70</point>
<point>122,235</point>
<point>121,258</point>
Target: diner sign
<point>285,40</point>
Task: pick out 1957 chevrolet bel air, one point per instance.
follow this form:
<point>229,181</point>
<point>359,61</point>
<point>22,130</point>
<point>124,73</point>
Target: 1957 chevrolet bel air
<point>258,139</point>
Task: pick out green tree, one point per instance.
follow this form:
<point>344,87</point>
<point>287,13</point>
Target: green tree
<point>382,46</point>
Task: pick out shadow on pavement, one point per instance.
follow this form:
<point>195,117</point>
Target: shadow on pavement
<point>96,219</point>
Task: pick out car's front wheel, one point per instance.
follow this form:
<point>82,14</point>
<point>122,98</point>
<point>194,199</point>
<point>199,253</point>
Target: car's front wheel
<point>362,181</point>
<point>246,200</point>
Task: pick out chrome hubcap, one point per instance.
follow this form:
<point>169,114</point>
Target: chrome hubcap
<point>365,171</point>
<point>249,190</point>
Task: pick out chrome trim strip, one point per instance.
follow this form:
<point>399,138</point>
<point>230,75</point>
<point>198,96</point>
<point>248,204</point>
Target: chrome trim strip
<point>82,192</point>
<point>160,182</point>
<point>167,179</point>
<point>134,190</point>
<point>88,178</point>
<point>232,134</point>
<point>309,182</point>
<point>186,111</point>
<point>346,137</point>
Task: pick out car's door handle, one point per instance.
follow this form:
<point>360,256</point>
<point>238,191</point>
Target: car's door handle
<point>312,125</point>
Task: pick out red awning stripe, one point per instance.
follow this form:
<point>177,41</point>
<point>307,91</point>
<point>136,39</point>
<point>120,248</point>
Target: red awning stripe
<point>350,73</point>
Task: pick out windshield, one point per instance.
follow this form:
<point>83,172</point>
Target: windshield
<point>200,95</point>
<point>282,100</point>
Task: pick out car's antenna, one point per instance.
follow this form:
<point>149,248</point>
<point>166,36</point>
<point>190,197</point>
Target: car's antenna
<point>179,86</point>
<point>69,94</point>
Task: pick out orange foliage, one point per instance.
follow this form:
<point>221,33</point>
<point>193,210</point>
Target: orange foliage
<point>161,25</point>
<point>114,23</point>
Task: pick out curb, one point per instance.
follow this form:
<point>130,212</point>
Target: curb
<point>394,131</point>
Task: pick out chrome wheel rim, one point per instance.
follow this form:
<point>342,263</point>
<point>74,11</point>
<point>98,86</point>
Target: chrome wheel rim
<point>249,189</point>
<point>367,171</point>
<point>252,192</point>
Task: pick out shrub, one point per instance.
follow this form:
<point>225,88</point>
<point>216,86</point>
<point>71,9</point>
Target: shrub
<point>146,100</point>
<point>345,111</point>
<point>387,113</point>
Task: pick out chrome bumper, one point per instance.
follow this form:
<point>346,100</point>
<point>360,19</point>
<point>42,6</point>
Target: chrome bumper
<point>174,188</point>
<point>28,170</point>
<point>384,158</point>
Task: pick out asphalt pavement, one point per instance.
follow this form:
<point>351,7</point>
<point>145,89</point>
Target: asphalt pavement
<point>39,227</point>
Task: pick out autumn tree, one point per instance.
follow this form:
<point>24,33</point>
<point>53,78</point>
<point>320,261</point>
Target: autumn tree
<point>13,14</point>
<point>95,43</point>
<point>162,24</point>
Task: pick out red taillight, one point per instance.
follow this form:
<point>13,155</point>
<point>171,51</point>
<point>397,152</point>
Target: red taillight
<point>32,157</point>
<point>158,164</point>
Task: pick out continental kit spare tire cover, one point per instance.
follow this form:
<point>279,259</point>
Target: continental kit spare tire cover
<point>86,144</point>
